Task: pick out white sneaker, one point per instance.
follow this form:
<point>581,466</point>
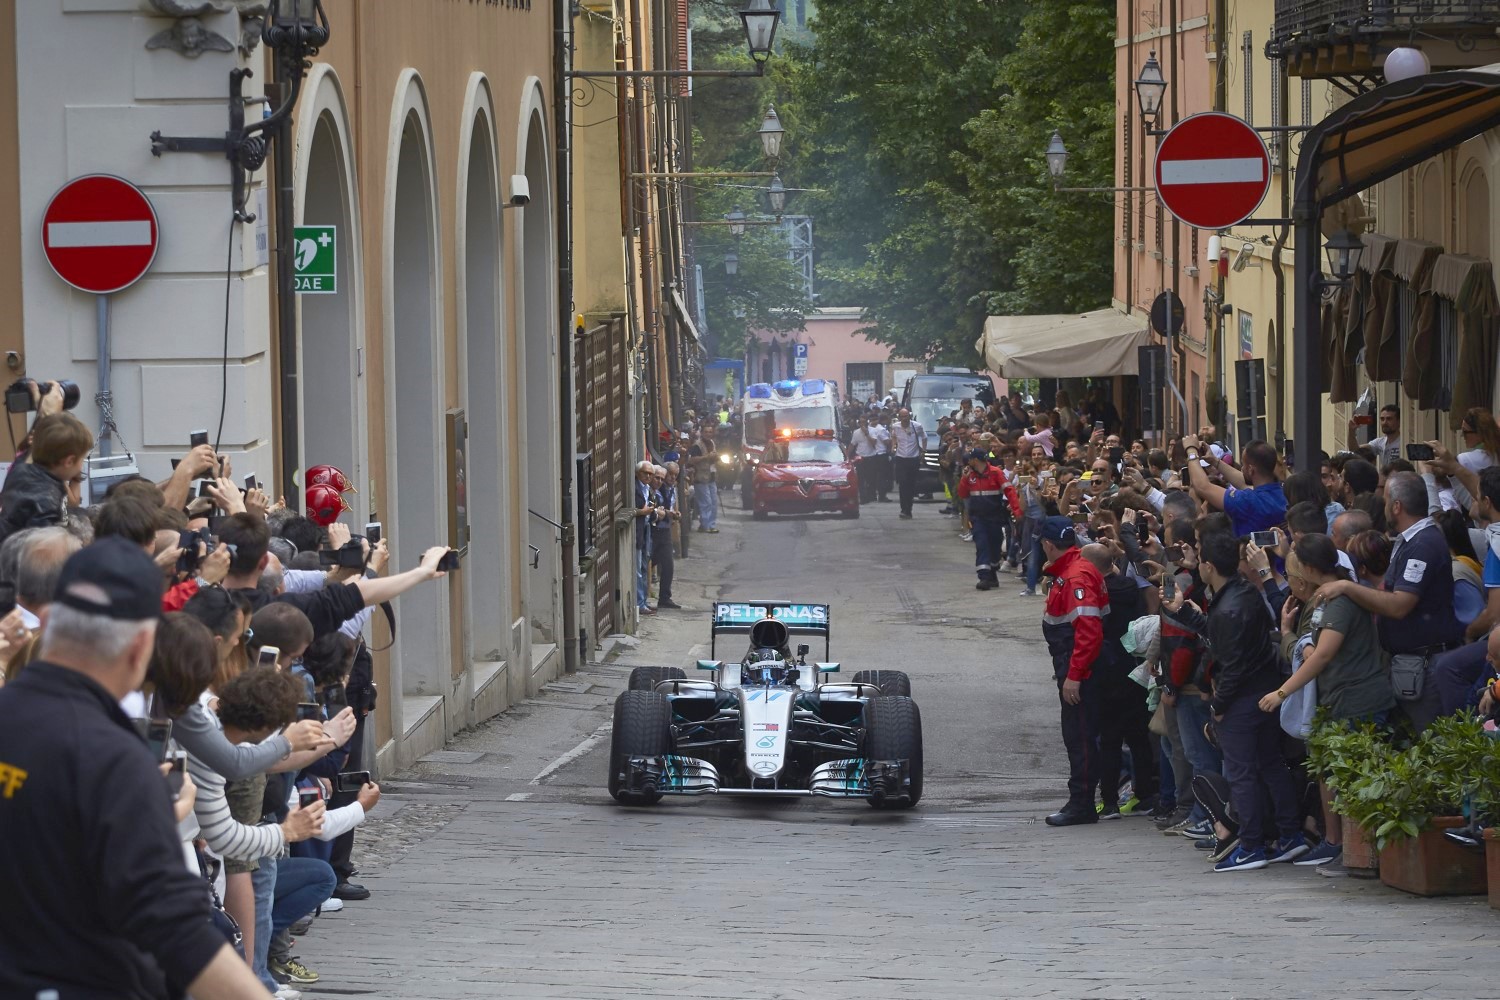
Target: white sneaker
<point>1028,593</point>
<point>287,993</point>
<point>966,536</point>
<point>331,905</point>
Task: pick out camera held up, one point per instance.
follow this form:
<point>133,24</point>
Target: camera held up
<point>18,394</point>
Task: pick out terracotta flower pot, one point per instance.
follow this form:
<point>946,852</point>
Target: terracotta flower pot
<point>1492,864</point>
<point>1432,865</point>
<point>1359,848</point>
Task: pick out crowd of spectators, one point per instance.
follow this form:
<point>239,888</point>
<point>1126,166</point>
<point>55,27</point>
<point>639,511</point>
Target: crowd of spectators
<point>1214,600</point>
<point>185,742</point>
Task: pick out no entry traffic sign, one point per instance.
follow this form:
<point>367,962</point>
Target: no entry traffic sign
<point>1212,170</point>
<point>100,233</point>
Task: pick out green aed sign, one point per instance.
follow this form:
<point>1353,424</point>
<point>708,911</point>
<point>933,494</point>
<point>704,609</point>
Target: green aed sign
<point>313,251</point>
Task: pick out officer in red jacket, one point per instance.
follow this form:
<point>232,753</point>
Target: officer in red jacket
<point>1073,624</point>
<point>982,488</point>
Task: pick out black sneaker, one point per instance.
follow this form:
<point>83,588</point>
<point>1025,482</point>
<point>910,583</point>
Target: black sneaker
<point>985,585</point>
<point>1163,809</point>
<point>1109,812</point>
<point>351,890</point>
<point>669,604</point>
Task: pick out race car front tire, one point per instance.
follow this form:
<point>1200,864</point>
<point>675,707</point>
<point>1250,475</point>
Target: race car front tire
<point>646,678</point>
<point>890,682</point>
<point>893,731</point>
<point>760,515</point>
<point>642,728</point>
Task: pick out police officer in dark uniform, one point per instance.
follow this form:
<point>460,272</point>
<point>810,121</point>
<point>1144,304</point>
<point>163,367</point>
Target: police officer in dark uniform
<point>98,901</point>
<point>983,489</point>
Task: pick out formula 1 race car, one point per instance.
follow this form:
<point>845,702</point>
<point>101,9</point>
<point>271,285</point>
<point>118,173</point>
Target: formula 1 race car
<point>767,724</point>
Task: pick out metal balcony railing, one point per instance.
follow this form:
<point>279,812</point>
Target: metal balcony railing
<point>1304,21</point>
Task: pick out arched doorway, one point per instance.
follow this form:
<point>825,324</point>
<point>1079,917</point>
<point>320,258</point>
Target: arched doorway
<point>330,361</point>
<point>415,447</point>
<point>538,341</point>
<point>486,573</point>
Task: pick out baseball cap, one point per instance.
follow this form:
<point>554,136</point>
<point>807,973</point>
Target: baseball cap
<point>1059,531</point>
<point>112,578</point>
<point>978,453</point>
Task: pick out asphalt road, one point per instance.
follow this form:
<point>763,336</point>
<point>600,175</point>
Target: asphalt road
<point>501,868</point>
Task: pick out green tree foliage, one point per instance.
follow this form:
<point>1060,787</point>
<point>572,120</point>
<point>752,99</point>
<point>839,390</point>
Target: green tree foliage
<point>924,125</point>
<point>766,293</point>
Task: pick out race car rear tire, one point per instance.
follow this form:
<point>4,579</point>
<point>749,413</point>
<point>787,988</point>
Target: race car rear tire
<point>646,678</point>
<point>760,515</point>
<point>642,728</point>
<point>893,731</point>
<point>852,513</point>
<point>890,682</point>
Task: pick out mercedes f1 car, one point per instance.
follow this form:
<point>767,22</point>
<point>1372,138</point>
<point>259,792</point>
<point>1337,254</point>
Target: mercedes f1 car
<point>769,724</point>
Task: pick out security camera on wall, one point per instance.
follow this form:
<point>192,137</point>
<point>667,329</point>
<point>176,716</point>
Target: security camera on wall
<point>520,191</point>
<point>1243,259</point>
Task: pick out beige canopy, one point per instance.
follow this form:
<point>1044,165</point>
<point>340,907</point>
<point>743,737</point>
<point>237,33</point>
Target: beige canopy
<point>1071,345</point>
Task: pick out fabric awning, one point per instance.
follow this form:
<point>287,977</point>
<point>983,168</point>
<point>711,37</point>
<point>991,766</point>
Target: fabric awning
<point>686,319</point>
<point>1383,131</point>
<point>1070,345</point>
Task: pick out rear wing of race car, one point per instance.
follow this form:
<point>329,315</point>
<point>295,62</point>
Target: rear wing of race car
<point>738,617</point>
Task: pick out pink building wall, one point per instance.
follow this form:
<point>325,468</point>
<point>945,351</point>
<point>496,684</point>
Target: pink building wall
<point>1146,259</point>
<point>833,344</point>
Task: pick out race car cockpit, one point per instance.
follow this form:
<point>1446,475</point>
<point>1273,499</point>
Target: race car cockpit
<point>769,660</point>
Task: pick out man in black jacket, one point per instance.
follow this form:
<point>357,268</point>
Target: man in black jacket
<point>1123,716</point>
<point>97,901</point>
<point>1238,631</point>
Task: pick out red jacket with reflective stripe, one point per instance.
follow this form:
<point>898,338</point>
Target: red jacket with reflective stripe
<point>1073,621</point>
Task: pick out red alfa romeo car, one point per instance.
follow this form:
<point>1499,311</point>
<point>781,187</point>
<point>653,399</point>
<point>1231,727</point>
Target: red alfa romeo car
<point>804,472</point>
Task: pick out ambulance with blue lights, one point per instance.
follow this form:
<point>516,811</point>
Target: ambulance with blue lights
<point>768,408</point>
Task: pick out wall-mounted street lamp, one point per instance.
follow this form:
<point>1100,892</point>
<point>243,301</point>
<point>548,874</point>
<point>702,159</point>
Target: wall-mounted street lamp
<point>771,132</point>
<point>1150,90</point>
<point>736,220</point>
<point>776,195</point>
<point>1343,249</point>
<point>1057,157</point>
<point>759,20</point>
<point>294,30</point>
<point>731,263</point>
<point>1057,165</point>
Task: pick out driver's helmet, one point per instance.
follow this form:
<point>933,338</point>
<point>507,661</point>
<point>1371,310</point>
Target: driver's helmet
<point>764,665</point>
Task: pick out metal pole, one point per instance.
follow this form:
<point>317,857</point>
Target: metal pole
<point>1307,390</point>
<point>103,399</point>
<point>575,639</point>
<point>286,307</point>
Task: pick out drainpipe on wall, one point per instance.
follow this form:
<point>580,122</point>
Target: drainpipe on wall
<point>1278,407</point>
<point>574,652</point>
<point>286,301</point>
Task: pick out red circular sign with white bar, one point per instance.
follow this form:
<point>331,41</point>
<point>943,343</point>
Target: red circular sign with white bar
<point>1212,170</point>
<point>100,233</point>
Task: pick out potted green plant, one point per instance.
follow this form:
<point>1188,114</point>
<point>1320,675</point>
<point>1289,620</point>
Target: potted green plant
<point>1486,811</point>
<point>1341,755</point>
<point>1408,796</point>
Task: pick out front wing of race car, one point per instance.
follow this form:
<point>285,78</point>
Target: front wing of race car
<point>852,778</point>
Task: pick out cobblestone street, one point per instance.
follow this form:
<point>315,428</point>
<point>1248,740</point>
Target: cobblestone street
<point>499,872</point>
